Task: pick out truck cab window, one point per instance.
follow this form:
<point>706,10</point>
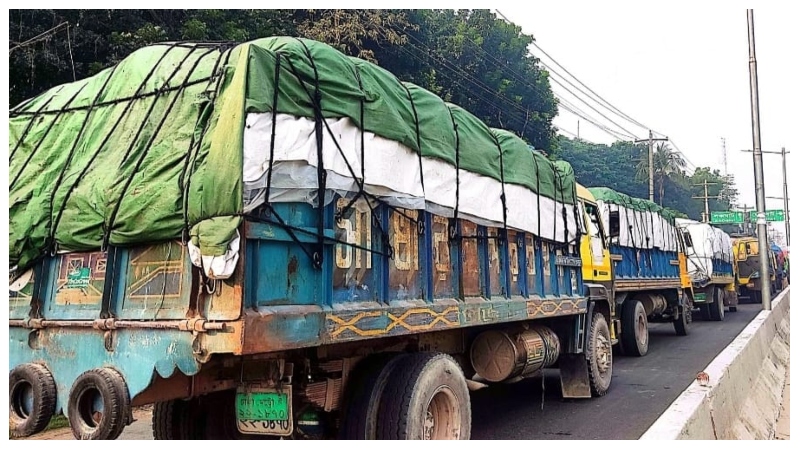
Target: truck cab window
<point>595,228</point>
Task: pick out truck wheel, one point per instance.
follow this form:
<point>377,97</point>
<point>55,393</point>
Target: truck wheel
<point>684,317</point>
<point>365,388</point>
<point>427,399</point>
<point>599,356</point>
<point>32,399</point>
<point>635,337</point>
<point>98,407</point>
<point>173,420</point>
<point>717,309</point>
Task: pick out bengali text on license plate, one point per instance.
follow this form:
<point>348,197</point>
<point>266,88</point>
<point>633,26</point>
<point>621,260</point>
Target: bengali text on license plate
<point>264,412</point>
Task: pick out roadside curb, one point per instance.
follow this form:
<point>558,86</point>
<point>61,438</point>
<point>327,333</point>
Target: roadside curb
<point>741,397</point>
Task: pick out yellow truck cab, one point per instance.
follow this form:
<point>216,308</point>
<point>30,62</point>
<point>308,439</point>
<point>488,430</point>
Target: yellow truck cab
<point>748,265</point>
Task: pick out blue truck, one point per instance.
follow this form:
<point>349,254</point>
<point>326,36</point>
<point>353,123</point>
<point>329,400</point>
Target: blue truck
<point>232,246</point>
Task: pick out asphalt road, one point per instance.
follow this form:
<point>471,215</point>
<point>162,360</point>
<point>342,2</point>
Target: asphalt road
<point>641,389</point>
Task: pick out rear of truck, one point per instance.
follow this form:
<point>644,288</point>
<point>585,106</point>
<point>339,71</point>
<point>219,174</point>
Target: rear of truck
<point>709,251</point>
<point>246,239</point>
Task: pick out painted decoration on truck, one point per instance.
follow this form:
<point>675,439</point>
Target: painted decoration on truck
<point>155,272</point>
<point>344,326</point>
<point>389,322</point>
<point>81,278</point>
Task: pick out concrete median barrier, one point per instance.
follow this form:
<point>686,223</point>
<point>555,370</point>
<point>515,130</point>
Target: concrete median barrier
<point>738,396</point>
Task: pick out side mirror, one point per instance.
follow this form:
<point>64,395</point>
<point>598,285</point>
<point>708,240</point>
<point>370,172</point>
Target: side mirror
<point>613,224</point>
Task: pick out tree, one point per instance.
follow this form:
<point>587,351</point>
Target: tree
<point>349,29</point>
<point>468,57</point>
<point>666,162</point>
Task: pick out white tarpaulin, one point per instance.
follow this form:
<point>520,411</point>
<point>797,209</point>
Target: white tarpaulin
<point>707,243</point>
<point>640,229</point>
<point>391,172</point>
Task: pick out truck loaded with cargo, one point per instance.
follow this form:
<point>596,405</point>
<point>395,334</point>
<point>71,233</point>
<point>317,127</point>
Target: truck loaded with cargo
<point>273,239</point>
<point>709,253</point>
<point>648,274</point>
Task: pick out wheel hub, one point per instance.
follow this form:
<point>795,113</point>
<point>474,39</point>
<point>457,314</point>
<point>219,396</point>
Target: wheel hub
<point>603,354</point>
<point>442,417</point>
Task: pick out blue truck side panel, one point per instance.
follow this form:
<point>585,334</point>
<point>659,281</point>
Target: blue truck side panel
<point>722,268</point>
<point>387,256</point>
<point>652,263</point>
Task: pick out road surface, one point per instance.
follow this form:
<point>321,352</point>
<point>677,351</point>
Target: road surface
<point>641,389</point>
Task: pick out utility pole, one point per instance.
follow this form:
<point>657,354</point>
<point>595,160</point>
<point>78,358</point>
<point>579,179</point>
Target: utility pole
<point>761,222</point>
<point>785,197</point>
<point>650,141</point>
<point>705,196</point>
<point>579,128</point>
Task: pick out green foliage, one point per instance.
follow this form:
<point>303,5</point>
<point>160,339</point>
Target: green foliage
<point>619,167</point>
<point>467,57</point>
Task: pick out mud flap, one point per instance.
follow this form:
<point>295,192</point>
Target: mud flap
<point>574,376</point>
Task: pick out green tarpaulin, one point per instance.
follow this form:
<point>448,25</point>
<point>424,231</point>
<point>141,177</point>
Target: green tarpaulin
<point>151,148</point>
<point>611,196</point>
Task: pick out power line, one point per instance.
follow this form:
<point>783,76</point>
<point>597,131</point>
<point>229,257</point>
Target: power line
<point>512,114</point>
<point>614,108</point>
<point>39,37</point>
<point>523,81</point>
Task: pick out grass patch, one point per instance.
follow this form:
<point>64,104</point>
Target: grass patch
<point>58,421</point>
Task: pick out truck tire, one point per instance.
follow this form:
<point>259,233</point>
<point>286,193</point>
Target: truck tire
<point>32,399</point>
<point>599,356</point>
<point>365,389</point>
<point>717,309</point>
<point>635,337</point>
<point>682,323</point>
<point>98,407</point>
<point>173,420</point>
<point>427,399</point>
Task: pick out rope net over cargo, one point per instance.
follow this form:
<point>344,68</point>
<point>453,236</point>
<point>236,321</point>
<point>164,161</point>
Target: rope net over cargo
<point>183,141</point>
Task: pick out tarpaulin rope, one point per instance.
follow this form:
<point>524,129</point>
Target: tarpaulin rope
<point>275,91</point>
<point>360,183</point>
<point>41,140</point>
<point>203,117</point>
<point>51,243</point>
<point>416,125</point>
<point>502,186</point>
<point>452,228</point>
<point>31,122</point>
<point>109,227</point>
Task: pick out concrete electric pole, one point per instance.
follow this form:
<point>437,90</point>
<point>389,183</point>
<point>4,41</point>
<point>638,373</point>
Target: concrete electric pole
<point>705,196</point>
<point>761,222</point>
<point>650,140</point>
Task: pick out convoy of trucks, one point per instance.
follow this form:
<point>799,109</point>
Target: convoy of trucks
<point>275,240</point>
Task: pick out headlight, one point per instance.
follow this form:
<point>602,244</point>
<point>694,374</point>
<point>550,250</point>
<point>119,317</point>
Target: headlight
<point>754,275</point>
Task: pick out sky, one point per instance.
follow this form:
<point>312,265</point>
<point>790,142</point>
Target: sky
<point>682,69</point>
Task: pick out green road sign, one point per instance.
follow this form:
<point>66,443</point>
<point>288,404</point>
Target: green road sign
<point>719,217</point>
<point>773,215</point>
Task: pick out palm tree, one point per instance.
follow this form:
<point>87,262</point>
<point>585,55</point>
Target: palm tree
<point>666,162</point>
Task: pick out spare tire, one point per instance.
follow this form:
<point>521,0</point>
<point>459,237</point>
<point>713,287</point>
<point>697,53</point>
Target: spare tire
<point>32,399</point>
<point>98,407</point>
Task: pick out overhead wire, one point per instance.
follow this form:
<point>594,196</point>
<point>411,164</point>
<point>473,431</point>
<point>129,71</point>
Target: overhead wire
<point>599,99</point>
<point>571,108</point>
<point>521,79</point>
